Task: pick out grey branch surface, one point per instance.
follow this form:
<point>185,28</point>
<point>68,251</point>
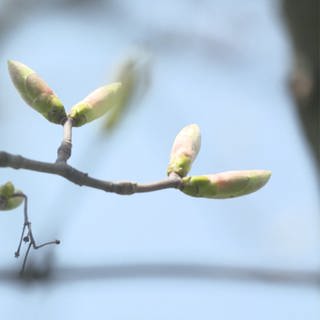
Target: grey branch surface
<point>80,178</point>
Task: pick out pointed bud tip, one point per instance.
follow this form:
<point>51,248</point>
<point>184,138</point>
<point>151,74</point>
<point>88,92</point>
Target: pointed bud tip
<point>115,85</point>
<point>11,62</point>
<point>194,126</point>
<point>107,89</point>
<point>264,176</point>
<point>14,65</point>
<point>18,73</point>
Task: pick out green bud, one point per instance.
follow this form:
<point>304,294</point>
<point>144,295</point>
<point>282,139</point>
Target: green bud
<point>95,105</point>
<point>184,150</point>
<point>226,184</point>
<point>9,198</point>
<point>36,93</point>
<point>7,189</point>
<point>12,203</point>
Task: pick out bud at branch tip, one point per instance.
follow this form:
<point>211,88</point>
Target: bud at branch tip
<point>36,93</point>
<point>184,150</point>
<point>225,184</point>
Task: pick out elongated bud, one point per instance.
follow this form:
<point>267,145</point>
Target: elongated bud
<point>9,197</point>
<point>184,150</point>
<point>36,93</point>
<point>95,105</point>
<point>226,184</point>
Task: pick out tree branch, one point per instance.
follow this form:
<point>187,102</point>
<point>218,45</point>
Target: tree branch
<point>191,271</point>
<point>80,178</point>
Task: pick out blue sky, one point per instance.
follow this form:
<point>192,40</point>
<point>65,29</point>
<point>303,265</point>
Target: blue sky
<point>215,63</point>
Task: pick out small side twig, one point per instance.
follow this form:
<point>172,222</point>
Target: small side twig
<point>64,151</point>
<point>28,237</point>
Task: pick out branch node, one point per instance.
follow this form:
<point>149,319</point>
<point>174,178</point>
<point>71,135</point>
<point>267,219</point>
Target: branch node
<point>64,152</point>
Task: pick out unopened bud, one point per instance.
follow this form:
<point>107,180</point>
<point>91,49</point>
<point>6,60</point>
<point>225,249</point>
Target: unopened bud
<point>9,197</point>
<point>95,105</point>
<point>7,189</point>
<point>184,150</point>
<point>36,93</point>
<point>226,184</point>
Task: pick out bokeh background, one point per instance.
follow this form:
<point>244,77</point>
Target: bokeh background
<point>234,68</point>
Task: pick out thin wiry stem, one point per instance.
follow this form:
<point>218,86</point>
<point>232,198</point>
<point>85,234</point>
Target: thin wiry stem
<point>25,259</point>
<point>17,253</point>
<point>83,179</point>
<point>29,237</point>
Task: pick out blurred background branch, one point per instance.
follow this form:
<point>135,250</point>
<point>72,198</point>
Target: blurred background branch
<point>302,20</point>
<point>164,270</point>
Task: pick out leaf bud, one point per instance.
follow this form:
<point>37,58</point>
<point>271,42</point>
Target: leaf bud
<point>35,92</point>
<point>9,197</point>
<point>95,105</point>
<point>184,150</point>
<point>225,184</point>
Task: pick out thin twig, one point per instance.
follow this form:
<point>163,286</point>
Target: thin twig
<point>29,237</point>
<point>64,151</point>
<point>83,179</point>
<point>17,253</point>
<point>25,259</point>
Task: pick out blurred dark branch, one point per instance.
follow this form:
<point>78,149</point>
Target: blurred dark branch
<point>207,45</point>
<point>167,271</point>
<point>13,13</point>
<point>302,19</point>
